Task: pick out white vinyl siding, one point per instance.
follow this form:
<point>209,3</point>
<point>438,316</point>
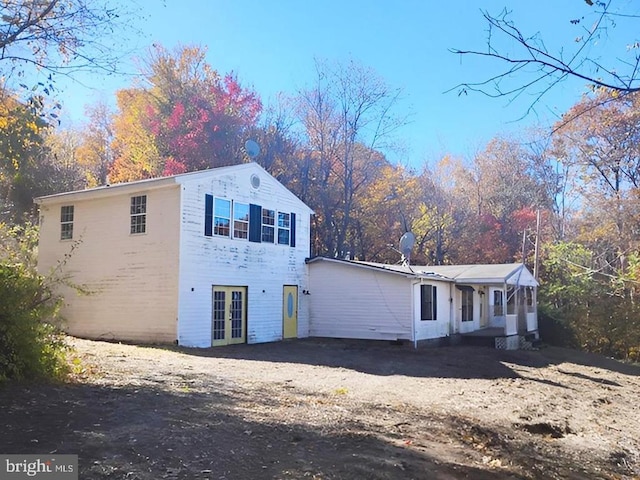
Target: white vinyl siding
<point>263,267</point>
<point>351,302</point>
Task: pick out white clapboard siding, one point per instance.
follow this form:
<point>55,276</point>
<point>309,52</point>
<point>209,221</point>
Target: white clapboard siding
<point>263,268</point>
<point>157,286</point>
<point>365,303</point>
<point>133,279</point>
<point>441,326</point>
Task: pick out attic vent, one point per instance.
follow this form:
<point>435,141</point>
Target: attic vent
<point>255,181</point>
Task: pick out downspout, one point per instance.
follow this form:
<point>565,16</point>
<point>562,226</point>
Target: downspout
<point>505,305</point>
<point>451,316</point>
<point>413,314</point>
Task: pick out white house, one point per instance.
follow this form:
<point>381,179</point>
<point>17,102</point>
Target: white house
<point>205,258</point>
<point>350,299</point>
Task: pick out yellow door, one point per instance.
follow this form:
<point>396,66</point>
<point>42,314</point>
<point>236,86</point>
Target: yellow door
<point>290,311</point>
<point>229,316</point>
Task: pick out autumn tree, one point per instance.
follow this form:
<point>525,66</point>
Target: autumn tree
<point>136,155</point>
<point>384,211</point>
<point>22,134</point>
<point>34,159</point>
<point>496,198</point>
<point>188,118</point>
<point>348,116</point>
<point>279,142</point>
<point>600,146</point>
<point>95,151</point>
<point>435,225</point>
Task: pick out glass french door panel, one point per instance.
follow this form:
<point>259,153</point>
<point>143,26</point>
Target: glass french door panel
<point>219,310</point>
<point>236,314</point>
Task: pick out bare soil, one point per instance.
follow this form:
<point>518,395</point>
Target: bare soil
<point>331,409</point>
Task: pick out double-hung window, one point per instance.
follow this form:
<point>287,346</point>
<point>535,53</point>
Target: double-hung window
<point>268,225</point>
<point>66,222</point>
<point>428,305</point>
<point>284,226</point>
<point>222,218</point>
<point>139,214</point>
<point>240,220</point>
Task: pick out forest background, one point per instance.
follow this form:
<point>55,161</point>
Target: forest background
<point>568,194</point>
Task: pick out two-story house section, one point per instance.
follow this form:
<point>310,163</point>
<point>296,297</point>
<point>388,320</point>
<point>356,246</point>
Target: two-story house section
<point>202,259</point>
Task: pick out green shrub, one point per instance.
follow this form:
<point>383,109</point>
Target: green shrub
<point>31,344</point>
<point>553,329</point>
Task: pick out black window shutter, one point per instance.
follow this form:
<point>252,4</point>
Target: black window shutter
<point>255,223</point>
<point>208,215</point>
<point>292,238</point>
<point>434,299</point>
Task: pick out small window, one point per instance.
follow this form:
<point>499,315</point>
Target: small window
<point>139,214</point>
<point>222,218</point>
<point>283,228</point>
<point>268,225</point>
<point>428,305</point>
<point>66,222</point>
<point>240,220</point>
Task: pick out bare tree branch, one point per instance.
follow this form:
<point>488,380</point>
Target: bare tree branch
<point>533,68</point>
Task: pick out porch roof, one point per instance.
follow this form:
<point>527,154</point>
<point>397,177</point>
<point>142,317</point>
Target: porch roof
<point>509,273</point>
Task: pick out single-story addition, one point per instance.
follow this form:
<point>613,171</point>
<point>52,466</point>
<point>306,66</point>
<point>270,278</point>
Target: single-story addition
<point>202,259</point>
<point>352,299</point>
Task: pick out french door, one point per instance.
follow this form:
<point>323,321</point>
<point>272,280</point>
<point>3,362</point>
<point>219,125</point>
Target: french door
<point>229,315</point>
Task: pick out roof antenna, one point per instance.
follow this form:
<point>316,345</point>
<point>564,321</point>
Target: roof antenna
<point>252,149</point>
<point>407,241</point>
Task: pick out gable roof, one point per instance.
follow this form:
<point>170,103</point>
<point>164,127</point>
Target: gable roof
<point>509,273</point>
<point>160,182</point>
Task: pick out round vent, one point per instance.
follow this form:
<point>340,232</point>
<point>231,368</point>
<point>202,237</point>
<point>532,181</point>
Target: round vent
<point>255,181</point>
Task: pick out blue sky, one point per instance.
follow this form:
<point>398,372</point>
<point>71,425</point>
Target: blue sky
<point>271,46</point>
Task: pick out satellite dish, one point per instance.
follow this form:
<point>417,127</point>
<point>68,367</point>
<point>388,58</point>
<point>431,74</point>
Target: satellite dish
<point>406,245</point>
<point>252,148</point>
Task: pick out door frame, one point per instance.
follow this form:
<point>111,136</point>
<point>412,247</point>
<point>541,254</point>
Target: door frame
<point>230,312</point>
<point>292,308</point>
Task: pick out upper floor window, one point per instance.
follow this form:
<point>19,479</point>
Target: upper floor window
<point>268,225</point>
<point>284,226</point>
<point>66,222</point>
<point>222,217</point>
<point>139,214</point>
<point>227,218</point>
<point>240,220</point>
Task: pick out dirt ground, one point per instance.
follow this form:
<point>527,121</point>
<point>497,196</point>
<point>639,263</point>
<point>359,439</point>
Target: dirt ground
<point>325,409</point>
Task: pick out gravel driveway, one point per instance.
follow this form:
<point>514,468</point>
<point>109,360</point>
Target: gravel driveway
<point>332,409</point>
